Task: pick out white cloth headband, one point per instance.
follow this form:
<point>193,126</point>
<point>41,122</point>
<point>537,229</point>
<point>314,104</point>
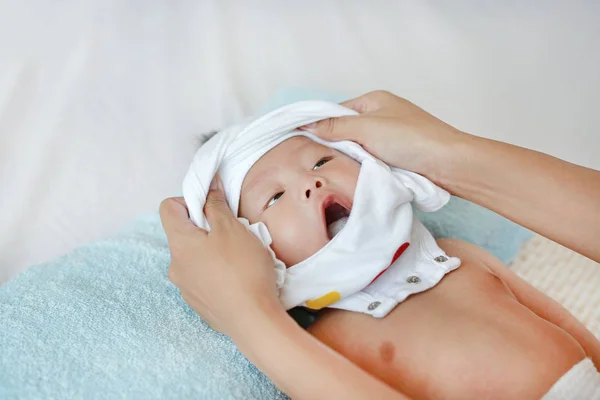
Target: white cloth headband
<point>233,151</point>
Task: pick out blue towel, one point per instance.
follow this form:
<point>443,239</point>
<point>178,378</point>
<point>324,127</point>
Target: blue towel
<point>105,322</point>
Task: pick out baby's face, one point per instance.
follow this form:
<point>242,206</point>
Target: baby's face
<point>297,189</point>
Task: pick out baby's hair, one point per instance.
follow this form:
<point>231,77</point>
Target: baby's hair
<point>205,137</point>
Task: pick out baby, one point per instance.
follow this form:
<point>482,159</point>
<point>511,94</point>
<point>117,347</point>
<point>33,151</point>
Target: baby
<point>481,332</point>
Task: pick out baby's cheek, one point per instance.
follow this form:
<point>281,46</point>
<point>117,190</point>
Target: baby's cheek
<point>293,242</point>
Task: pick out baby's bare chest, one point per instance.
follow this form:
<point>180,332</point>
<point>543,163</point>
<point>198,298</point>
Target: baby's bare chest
<point>467,333</point>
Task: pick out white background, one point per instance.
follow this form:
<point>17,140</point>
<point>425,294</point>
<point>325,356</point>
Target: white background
<point>100,99</point>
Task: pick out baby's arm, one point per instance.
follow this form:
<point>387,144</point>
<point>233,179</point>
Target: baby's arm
<point>542,305</point>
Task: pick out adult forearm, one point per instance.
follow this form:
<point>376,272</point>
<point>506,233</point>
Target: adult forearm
<point>552,197</point>
<point>303,367</point>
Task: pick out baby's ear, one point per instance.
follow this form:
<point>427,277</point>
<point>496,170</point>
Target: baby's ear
<point>205,137</point>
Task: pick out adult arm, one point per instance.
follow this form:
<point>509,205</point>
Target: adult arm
<point>552,197</point>
<point>235,292</point>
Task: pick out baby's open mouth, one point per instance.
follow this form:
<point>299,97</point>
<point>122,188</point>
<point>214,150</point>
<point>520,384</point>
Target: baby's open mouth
<point>336,217</point>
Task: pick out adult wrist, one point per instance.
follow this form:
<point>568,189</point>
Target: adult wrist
<point>447,160</point>
<point>255,327</point>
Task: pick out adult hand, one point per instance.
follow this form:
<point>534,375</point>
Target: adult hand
<point>394,130</point>
<point>226,275</point>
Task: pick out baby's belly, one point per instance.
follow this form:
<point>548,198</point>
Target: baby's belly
<point>467,337</point>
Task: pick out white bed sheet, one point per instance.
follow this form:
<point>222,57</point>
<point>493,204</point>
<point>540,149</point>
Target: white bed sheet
<point>100,99</point>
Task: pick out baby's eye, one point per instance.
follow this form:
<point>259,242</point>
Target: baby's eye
<point>321,162</point>
<point>274,199</point>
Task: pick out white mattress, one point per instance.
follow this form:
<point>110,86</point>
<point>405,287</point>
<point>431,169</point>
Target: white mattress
<point>100,99</point>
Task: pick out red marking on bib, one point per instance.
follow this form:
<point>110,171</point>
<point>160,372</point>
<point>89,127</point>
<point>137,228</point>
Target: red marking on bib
<point>399,252</point>
<point>397,255</point>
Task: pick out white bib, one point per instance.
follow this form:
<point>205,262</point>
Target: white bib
<point>381,241</point>
<point>380,230</point>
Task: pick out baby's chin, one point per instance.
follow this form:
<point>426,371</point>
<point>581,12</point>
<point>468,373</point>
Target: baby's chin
<point>295,253</point>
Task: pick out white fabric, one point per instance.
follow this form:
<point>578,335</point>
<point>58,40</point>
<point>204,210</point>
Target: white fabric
<point>381,219</point>
<point>100,99</point>
<point>580,382</point>
<point>419,268</point>
<point>234,150</point>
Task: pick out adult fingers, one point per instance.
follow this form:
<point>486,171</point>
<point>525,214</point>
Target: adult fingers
<point>368,102</point>
<point>336,129</point>
<point>216,209</point>
<point>349,128</point>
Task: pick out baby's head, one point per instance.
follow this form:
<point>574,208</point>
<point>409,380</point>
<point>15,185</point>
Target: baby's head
<point>298,189</point>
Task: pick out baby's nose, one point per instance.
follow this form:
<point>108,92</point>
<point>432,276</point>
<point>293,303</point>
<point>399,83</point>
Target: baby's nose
<point>318,184</point>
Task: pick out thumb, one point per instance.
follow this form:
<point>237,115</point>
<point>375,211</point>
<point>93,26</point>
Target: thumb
<point>335,129</point>
<point>175,217</point>
<point>216,208</point>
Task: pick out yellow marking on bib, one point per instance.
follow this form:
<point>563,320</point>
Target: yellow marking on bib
<point>323,301</point>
